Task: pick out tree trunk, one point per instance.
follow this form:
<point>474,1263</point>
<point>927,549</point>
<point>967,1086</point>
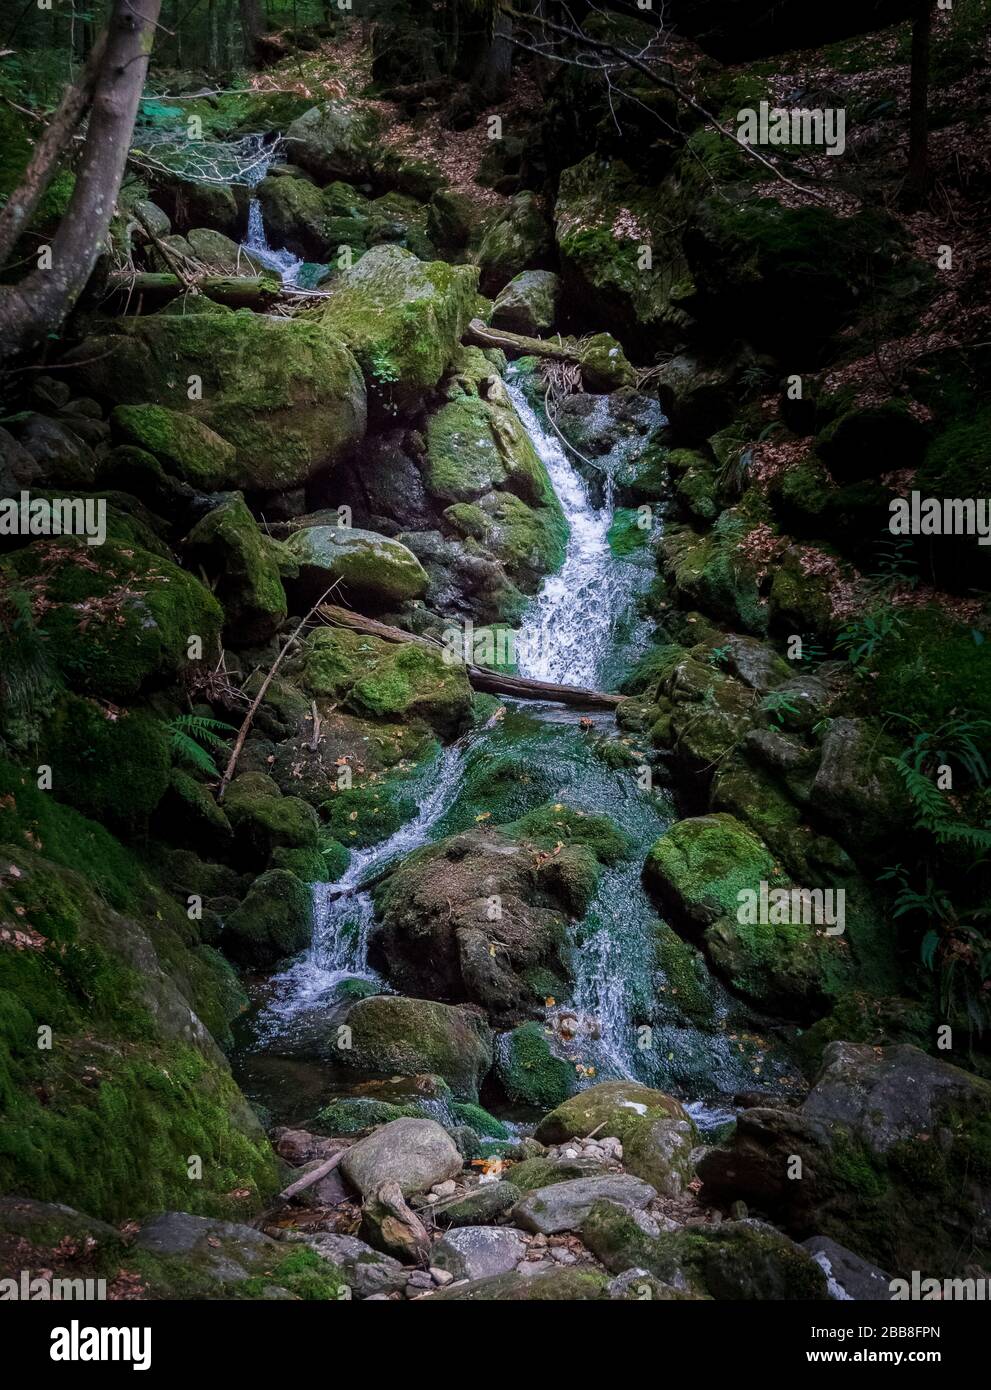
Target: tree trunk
<point>252,27</point>
<point>20,206</point>
<point>155,288</point>
<point>480,677</point>
<point>492,74</point>
<point>918,137</point>
<point>39,304</point>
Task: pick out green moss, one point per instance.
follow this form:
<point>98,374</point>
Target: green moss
<point>653,669</point>
<point>626,536</point>
<point>115,616</point>
<point>247,567</point>
<point>365,814</point>
<point>704,863</point>
<point>530,1074</point>
<point>184,444</point>
<point>355,1114</point>
<point>687,986</point>
<point>275,920</point>
<point>115,767</point>
<point>931,665</point>
<point>550,826</point>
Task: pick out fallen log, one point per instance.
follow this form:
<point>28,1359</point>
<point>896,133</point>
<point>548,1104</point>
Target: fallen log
<point>480,677</point>
<point>603,364</point>
<point>158,287</point>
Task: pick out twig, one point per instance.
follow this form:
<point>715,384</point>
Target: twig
<point>253,707</point>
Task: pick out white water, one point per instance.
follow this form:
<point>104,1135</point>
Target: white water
<point>283,262</point>
<point>566,633</point>
<point>566,636</point>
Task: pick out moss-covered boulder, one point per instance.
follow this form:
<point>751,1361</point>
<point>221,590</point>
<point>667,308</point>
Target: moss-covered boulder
<point>264,819</point>
<point>134,1082</point>
<point>245,565</point>
<point>736,1260</point>
<point>656,1131</point>
<point>367,564</point>
<point>519,239</point>
<point>477,445</point>
<point>389,1035</point>
<point>274,921</point>
<point>184,444</point>
<point>402,318</point>
<point>385,680</point>
<point>491,907</point>
<point>312,222</point>
<point>111,764</point>
<point>716,572</point>
<point>285,393</point>
<point>528,304</point>
<point>333,141</point>
<point>894,1151</point>
<point>529,1072</point>
<point>116,617</point>
<point>604,219</point>
<point>701,865</point>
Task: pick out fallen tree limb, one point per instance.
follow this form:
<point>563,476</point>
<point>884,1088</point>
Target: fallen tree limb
<point>158,287</point>
<point>301,1184</point>
<point>603,368</point>
<point>242,733</point>
<point>481,677</point>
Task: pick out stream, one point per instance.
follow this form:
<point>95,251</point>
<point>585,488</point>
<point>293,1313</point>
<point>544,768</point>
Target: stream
<point>581,628</point>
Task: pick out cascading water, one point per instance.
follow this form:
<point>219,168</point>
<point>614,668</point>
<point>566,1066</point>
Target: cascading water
<point>577,630</point>
<point>256,242</point>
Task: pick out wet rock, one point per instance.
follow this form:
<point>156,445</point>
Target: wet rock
<point>557,1285</point>
<point>528,304</point>
<point>564,1205</point>
<point>274,921</point>
<point>244,563</point>
<point>365,563</point>
<point>392,1035</point>
<point>477,1252</point>
<point>886,1139</point>
<point>416,1154</point>
<point>366,1270</point>
<point>735,1260</point>
<point>849,1276</point>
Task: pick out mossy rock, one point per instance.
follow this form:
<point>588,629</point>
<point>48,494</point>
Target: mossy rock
<point>309,221</point>
<point>369,812</point>
<point>528,1071</point>
<point>603,219</point>
<point>714,573</point>
<point>274,921</point>
<point>134,1080</point>
<point>116,617</point>
<point>231,548</point>
<point>517,240</point>
<point>113,767</point>
<point>529,542</point>
<point>384,680</point>
<point>701,865</point>
<point>528,304</point>
<point>365,563</point>
<point>285,393</point>
<point>333,141</point>
<point>184,444</point>
<point>264,819</point>
<point>477,446</point>
<point>396,1036</point>
<point>744,1260</point>
<point>402,318</point>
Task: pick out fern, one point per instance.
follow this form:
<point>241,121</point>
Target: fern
<point>191,736</point>
<point>932,811</point>
<point>27,672</point>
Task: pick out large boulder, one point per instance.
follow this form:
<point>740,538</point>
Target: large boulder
<point>183,444</point>
<point>893,1149</point>
<point>244,563</point>
<point>416,1154</point>
<point>402,318</point>
<point>479,1252</point>
<point>367,564</point>
<point>564,1205</point>
<point>604,220</point>
<point>116,617</point>
<point>332,141</point>
<point>387,680</point>
<point>519,239</point>
<point>390,1035</point>
<point>286,393</point>
<point>274,921</point>
<point>528,304</point>
<point>313,222</point>
<point>744,1260</point>
<point>479,916</point>
<point>657,1133</point>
